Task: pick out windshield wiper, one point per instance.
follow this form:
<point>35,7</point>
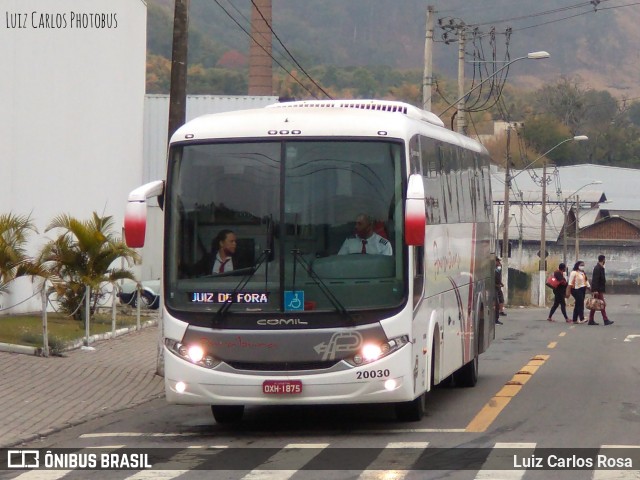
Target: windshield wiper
<point>250,272</point>
<point>320,283</point>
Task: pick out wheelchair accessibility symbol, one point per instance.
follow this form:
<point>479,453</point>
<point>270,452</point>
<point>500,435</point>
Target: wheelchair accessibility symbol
<point>293,300</point>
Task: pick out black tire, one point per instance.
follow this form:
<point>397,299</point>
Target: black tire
<point>411,411</point>
<point>467,375</point>
<point>227,413</point>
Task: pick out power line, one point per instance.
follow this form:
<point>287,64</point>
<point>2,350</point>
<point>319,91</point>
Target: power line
<point>547,12</point>
<point>576,15</point>
<point>249,22</point>
<point>264,49</point>
<point>289,53</point>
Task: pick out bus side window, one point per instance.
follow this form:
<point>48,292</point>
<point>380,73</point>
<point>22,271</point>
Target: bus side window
<point>431,172</point>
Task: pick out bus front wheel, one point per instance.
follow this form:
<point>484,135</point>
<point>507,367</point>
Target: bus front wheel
<point>411,411</point>
<point>227,413</point>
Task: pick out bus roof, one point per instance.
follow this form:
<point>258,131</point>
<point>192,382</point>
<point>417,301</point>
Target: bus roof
<point>323,118</point>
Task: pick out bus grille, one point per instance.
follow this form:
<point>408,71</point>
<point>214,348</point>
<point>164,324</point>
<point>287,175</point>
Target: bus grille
<point>281,367</point>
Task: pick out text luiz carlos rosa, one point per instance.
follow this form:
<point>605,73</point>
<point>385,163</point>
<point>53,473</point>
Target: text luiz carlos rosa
<point>570,462</point>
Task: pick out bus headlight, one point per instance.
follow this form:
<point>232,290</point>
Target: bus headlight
<point>196,353</point>
<point>192,353</point>
<point>370,352</point>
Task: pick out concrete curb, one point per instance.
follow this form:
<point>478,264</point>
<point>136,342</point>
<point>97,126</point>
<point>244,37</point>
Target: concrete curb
<point>28,350</point>
<point>12,348</point>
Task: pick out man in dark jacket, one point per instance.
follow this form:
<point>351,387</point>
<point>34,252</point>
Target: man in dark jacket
<point>598,284</point>
<point>499,294</point>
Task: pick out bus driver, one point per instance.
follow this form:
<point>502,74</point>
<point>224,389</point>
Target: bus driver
<point>224,246</point>
<point>365,239</point>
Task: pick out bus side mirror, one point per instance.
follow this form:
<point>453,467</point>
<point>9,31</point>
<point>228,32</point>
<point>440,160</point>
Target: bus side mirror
<point>135,215</point>
<point>415,215</point>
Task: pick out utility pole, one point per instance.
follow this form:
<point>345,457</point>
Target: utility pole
<point>462,119</point>
<point>577,228</point>
<point>505,222</point>
<point>427,80</point>
<point>542,294</point>
<point>564,231</point>
<point>178,91</point>
<point>520,232</point>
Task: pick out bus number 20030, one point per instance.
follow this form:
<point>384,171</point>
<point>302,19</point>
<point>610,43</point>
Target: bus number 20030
<point>373,374</point>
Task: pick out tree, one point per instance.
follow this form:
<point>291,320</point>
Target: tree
<point>14,262</point>
<point>565,101</point>
<point>543,133</point>
<point>633,113</point>
<point>601,108</point>
<point>83,255</point>
<point>158,74</point>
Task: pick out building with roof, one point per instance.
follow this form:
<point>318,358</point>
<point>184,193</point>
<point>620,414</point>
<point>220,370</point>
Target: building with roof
<point>591,210</point>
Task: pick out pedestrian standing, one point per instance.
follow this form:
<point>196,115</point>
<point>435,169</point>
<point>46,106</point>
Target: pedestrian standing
<point>578,285</point>
<point>559,293</point>
<point>597,289</point>
<point>499,294</point>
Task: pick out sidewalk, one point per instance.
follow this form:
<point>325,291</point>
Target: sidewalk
<point>39,396</point>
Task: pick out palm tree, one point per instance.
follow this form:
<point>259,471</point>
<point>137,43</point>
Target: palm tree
<point>14,262</point>
<point>84,254</point>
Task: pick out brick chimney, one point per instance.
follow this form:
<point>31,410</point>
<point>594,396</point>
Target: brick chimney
<point>260,61</point>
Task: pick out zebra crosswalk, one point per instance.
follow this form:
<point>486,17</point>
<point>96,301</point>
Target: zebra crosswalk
<point>392,460</point>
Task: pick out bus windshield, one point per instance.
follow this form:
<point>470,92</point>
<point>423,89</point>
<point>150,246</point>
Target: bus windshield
<point>281,226</point>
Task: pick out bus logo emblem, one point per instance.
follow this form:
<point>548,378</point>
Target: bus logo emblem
<point>339,342</point>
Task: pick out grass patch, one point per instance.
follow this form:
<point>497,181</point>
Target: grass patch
<point>27,329</point>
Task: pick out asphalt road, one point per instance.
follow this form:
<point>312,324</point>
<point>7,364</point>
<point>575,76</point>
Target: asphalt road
<point>544,389</point>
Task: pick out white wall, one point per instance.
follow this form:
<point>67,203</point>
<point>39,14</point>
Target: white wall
<point>72,100</point>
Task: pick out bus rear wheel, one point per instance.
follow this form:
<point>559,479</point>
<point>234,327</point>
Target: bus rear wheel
<point>411,411</point>
<point>227,413</point>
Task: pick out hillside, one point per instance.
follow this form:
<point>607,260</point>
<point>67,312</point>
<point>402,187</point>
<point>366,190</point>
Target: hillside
<point>598,44</point>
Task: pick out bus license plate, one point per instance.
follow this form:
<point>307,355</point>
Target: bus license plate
<point>282,387</point>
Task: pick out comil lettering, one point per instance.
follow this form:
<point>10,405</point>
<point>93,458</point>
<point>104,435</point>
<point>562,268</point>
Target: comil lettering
<point>281,321</point>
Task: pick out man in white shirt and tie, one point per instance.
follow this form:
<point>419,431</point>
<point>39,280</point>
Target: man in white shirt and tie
<point>225,245</point>
<point>365,240</point>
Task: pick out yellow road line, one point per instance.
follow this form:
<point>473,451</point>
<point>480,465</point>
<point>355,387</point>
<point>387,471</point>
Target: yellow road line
<point>492,409</point>
<point>552,345</point>
<point>562,334</point>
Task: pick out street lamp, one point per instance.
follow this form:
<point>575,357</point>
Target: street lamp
<point>577,138</point>
<point>542,294</point>
<point>460,101</point>
<point>566,212</point>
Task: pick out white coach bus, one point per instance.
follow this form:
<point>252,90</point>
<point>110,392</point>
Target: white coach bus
<point>298,320</point>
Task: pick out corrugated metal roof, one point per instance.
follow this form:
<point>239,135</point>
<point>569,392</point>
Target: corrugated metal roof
<point>528,219</point>
<point>614,192</point>
<point>618,184</point>
<point>156,123</point>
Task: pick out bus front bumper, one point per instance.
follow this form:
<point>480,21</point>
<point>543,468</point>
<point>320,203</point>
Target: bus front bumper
<point>387,380</point>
